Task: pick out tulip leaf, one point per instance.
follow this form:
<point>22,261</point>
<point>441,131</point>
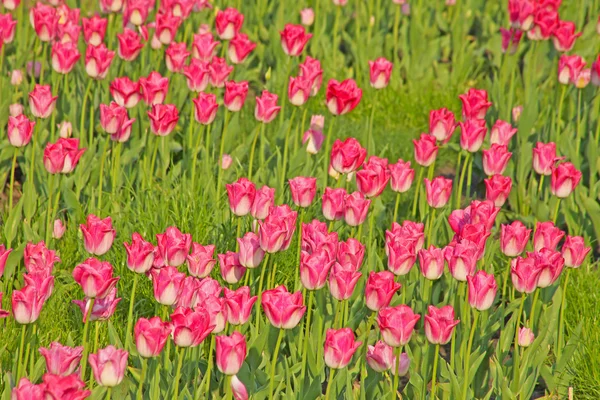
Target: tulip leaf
<point>12,222</point>
<point>8,378</point>
<point>113,336</point>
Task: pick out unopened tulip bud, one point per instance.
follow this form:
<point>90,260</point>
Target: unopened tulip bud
<point>226,161</point>
<point>59,229</point>
<point>16,77</point>
<point>15,110</point>
<point>516,113</point>
<point>65,129</point>
<point>307,16</point>
<point>526,337</point>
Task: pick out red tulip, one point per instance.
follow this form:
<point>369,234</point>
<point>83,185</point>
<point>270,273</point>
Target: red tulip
<point>438,191</point>
<point>231,269</point>
<point>342,281</point>
<point>373,178</point>
<point>97,61</point>
<point>241,196</point>
<point>551,264</point>
<point>340,346</point>
<point>112,117</point>
<point>240,48</point>
<point>94,29</point>
<point>176,56</point>
<point>235,95</point>
<point>426,150</point>
<point>521,13</point>
<point>219,72</point>
<point>569,68</point>
<point>565,178</point>
<point>510,40</point>
<point>299,90</point>
<point>19,130</point>
<point>546,236</point>
<point>163,119</point>
<point>544,158</point>
<point>231,353</point>
<point>190,327</point>
<point>27,304</point>
<point>44,20</point>
<point>205,108</point>
<point>64,57</point>
<point>472,134</point>
<point>303,190</point>
<point>442,124</point>
<point>525,274</point>
<point>67,387</point>
<point>379,290</point>
<point>168,284</point>
<point>380,357</point>
<point>250,254</point>
<point>228,23</point>
<point>545,21</point>
<point>356,208</point>
<point>283,309</point>
<point>154,88</point>
<point>98,235</point>
<point>350,253</point>
<point>431,262</point>
<point>95,277</point>
<point>501,133</point>
<point>462,259</point>
<point>311,69</point>
<point>574,251</point>
<point>125,92</point>
<point>347,156</point>
<point>102,309</point>
<point>266,109</point>
<point>495,159</point>
<point>564,36</point>
<point>294,39</point>
<point>41,101</point>
<point>397,324</point>
<point>342,97</point>
<point>172,247</point>
<point>439,324</point>
<point>203,46</point>
<point>130,45</point>
<point>151,336</point>
<point>475,104</point>
<point>497,189</point>
<point>380,72</point>
<point>239,304</point>
<point>482,290</point>
<point>263,201</point>
<point>61,360</point>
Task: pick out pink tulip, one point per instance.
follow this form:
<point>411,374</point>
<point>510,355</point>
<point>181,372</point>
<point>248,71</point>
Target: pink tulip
<point>151,336</point>
<point>303,190</point>
<point>442,124</point>
<point>501,133</point>
<point>407,232</point>
<point>266,109</point>
<point>334,203</point>
<point>431,262</point>
<point>574,251</point>
<point>342,97</point>
<point>288,217</point>
<point>402,176</point>
<point>20,130</point>
<point>401,253</point>
<point>307,16</point>
<point>514,238</point>
<point>231,269</point>
<point>545,21</point>
<point>109,365</point>
<point>272,233</point>
<point>262,203</point>
<point>350,253</point>
<point>166,27</point>
<point>98,235</point>
<point>95,277</point>
<point>283,309</point>
<point>15,109</point>
<point>173,247</point>
<point>27,304</point>
<point>97,61</point>
<point>239,304</point>
<point>201,262</point>
<point>496,159</point>
<point>190,327</point>
<point>7,26</point>
<point>240,48</point>
<point>525,274</point>
<point>217,311</point>
<point>154,88</point>
<point>4,253</point>
<point>340,346</point>
<point>250,254</point>
<point>380,357</point>
<point>241,196</point>
<point>569,68</point>
<point>203,46</point>
<point>482,290</point>
<point>175,56</point>
<point>62,156</point>
<point>380,72</point>
<point>521,13</point>
<point>235,95</point>
<point>64,57</point>
<point>426,150</point>
<point>219,72</point>
<point>44,20</point>
<point>373,178</point>
<point>551,264</point>
<point>293,39</point>
<point>565,178</point>
<point>167,283</point>
<point>299,89</point>
<point>228,23</point>
<point>125,92</point>
<point>356,208</point>
<point>438,191</point>
<point>472,134</point>
<point>526,337</point>
<point>510,40</point>
<point>311,69</point>
<point>478,234</point>
<point>314,269</point>
<point>475,104</point>
<point>41,101</point>
<point>130,45</point>
<point>102,309</point>
<point>462,259</point>
<point>379,290</point>
<point>347,156</point>
<point>36,257</point>
<point>163,119</point>
<point>140,254</point>
<point>544,158</point>
<point>595,75</point>
<point>42,281</point>
<point>26,390</point>
<point>397,324</point>
<point>342,281</point>
<point>439,324</point>
<point>497,189</point>
<point>205,108</point>
<point>94,29</point>
<point>546,235</point>
<point>61,360</point>
<point>231,353</point>
<point>238,389</point>
<point>64,387</point>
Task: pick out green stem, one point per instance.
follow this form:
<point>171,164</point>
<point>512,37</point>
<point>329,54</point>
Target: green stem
<point>365,346</point>
<point>370,134</point>
<point>140,395</point>
<point>560,108</point>
<point>461,180</point>
<point>84,339</point>
<point>396,24</point>
<point>398,351</point>
<point>331,375</point>
<point>153,161</point>
<point>516,368</point>
<point>51,185</point>
<point>417,191</point>
<point>299,252</point>
<point>195,157</point>
<point>434,373</point>
<point>396,207</point>
<point>178,373</point>
<point>95,349</point>
<point>101,177</point>
<point>259,132</point>
<point>274,363</point>
<point>22,366</point>
<point>260,285</point>
<point>285,151</point>
<point>326,151</point>
<point>128,336</point>
<point>578,139</point>
<point>108,393</point>
<point>532,314</point>
<point>156,381</point>
<point>31,178</point>
<point>221,150</point>
<point>430,230</point>
<point>556,207</point>
<point>466,378</point>
<point>559,346</point>
<point>311,297</point>
<point>12,179</point>
<point>336,24</point>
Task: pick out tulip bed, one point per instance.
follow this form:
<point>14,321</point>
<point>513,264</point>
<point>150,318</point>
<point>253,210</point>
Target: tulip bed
<point>314,199</point>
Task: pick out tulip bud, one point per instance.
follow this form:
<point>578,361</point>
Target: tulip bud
<point>546,235</point>
<point>565,178</point>
<point>426,150</point>
<point>15,110</point>
<point>574,251</point>
<point>380,72</point>
<point>294,39</point>
<point>250,254</point>
<point>307,16</point>
<point>109,366</point>
<point>497,189</point>
<point>58,229</point>
<point>16,77</point>
<point>526,337</point>
<point>380,357</point>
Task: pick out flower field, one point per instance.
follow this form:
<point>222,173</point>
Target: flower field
<point>323,199</point>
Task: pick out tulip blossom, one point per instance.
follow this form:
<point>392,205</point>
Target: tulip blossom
<point>240,48</point>
<point>97,61</point>
<point>109,365</point>
<point>166,27</point>
<point>401,255</point>
<point>303,190</point>
<point>228,23</point>
<point>61,360</point>
<point>94,29</point>
<point>564,36</point>
<point>510,40</point>
<point>525,274</point>
<point>569,68</point>
<point>203,46</point>
<point>496,159</point>
<point>238,389</point>
<point>574,251</point>
<point>63,387</point>
<point>342,281</point>
<point>15,110</point>
<point>130,45</point>
<point>342,97</point>
<point>19,130</point>
<point>241,196</point>
<point>272,233</point>
<point>340,346</point>
<point>154,88</point>
<point>175,56</point>
<point>263,201</point>
<point>595,75</point>
<point>36,257</point>
<point>545,22</point>
<point>380,72</point>
<point>347,156</point>
<point>205,108</point>
<point>140,254</point>
<point>98,234</point>
<point>112,117</point>
<point>550,263</point>
<point>95,277</point>
<point>190,327</point>
<point>314,269</point>
<point>356,208</point>
<point>7,26</point>
<point>250,253</point>
<point>462,259</point>
<point>294,39</point>
<point>219,72</point>
<point>397,324</point>
<point>546,235</point>
<point>125,92</point>
<point>442,124</point>
<point>426,150</point>
<point>101,309</point>
<point>283,309</point>
<point>501,133</point>
<point>307,16</point>
<point>439,324</point>
<point>27,304</point>
<point>544,158</point>
<point>239,305</point>
<point>231,269</point>
<point>266,109</point>
<point>565,178</point>
<point>299,90</point>
<point>379,290</point>
<point>44,20</point>
<point>230,353</point>
<point>402,176</point>
<point>497,189</point>
<point>235,95</point>
<point>438,191</point>
<point>311,69</point>
<point>472,134</point>
<point>525,337</point>
<point>475,104</point>
<point>163,119</point>
<point>172,247</point>
<point>41,101</point>
<point>351,253</point>
<point>431,262</point>
<point>151,336</point>
<point>521,14</point>
<point>380,357</point>
<point>373,178</point>
<point>168,284</point>
<point>482,290</point>
<point>58,229</point>
<point>333,203</point>
<point>64,57</point>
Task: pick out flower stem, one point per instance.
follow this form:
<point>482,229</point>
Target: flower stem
<point>259,132</point>
<point>86,349</point>
<point>516,372</point>
<point>396,377</point>
<point>128,336</point>
<point>221,150</point>
<point>210,362</point>
<point>108,393</point>
<point>33,146</point>
<point>395,31</point>
<point>365,345</point>
<point>370,135</point>
<point>329,381</point>
<point>178,373</point>
<point>417,191</point>
<point>51,185</point>
<point>532,314</point>
<point>300,223</point>
<point>396,207</point>
<point>285,151</point>
<point>561,319</point>
<point>556,207</point>
<point>139,394</point>
<point>326,151</point>
<point>430,230</point>
<point>311,297</point>
<point>101,177</point>
<point>260,285</point>
<point>21,369</point>
<point>468,356</point>
<point>461,180</point>
<point>274,363</point>
<point>434,373</point>
<point>12,178</point>
<point>195,156</point>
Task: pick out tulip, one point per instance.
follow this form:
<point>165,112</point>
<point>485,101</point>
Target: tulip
<point>311,69</point>
<point>379,290</point>
<point>439,324</point>
<point>238,389</point>
<point>521,14</point>
<point>569,68</point>
<point>583,79</point>
<point>4,253</point>
<point>44,20</point>
<point>303,190</point>
<point>356,208</point>
<point>172,247</point>
<point>272,233</point>
<point>409,231</point>
<point>438,191</point>
<point>595,76</point>
<point>373,178</point>
<point>401,255</point>
<point>299,90</point>
<point>564,36</point>
<point>284,213</point>
<point>228,23</point>
<point>496,159</point>
<point>235,95</point>
<point>380,72</point>
<point>475,104</point>
<point>42,281</point>
<point>546,236</point>
<point>250,254</point>
<point>551,264</point>
<point>526,337</point>
<point>472,134</point>
<point>380,357</point>
<point>41,101</point>
<point>27,304</point>
<point>283,309</point>
<point>109,365</point>
<point>140,254</point>
<point>125,92</point>
<point>36,257</point>
<point>97,61</point>
<point>545,22</point>
<point>166,27</point>
<point>61,360</point>
<point>151,336</point>
<point>544,157</point>
<point>514,238</point>
<point>163,119</point>
<point>397,324</point>
<point>168,284</point>
<point>11,5</point>
<point>501,133</point>
<point>263,201</point>
<point>525,274</point>
<point>294,39</point>
<point>350,253</point>
<point>197,74</point>
<point>217,311</point>
<point>58,229</point>
<point>15,110</point>
<point>347,156</point>
<point>64,57</point>
<point>7,26</point>
<point>402,176</point>
<point>231,269</point>
<point>94,29</point>
<point>241,196</point>
<point>478,234</point>
<point>188,297</point>
<point>442,124</point>
<point>565,178</point>
<point>95,277</point>
<point>176,56</point>
<point>342,97</point>
<point>240,48</point>
<point>314,269</point>
<point>98,235</point>
<point>20,130</point>
<point>574,251</point>
<point>462,259</point>
<point>205,106</point>
<point>219,72</point>
<point>130,45</point>
<point>482,290</point>
<point>67,387</point>
<point>231,353</point>
<point>154,88</point>
<point>498,189</point>
<point>510,40</point>
<point>203,46</point>
<point>333,203</point>
<point>112,117</point>
<point>101,309</point>
<point>190,327</point>
<point>238,305</point>
<point>342,281</point>
<point>266,109</point>
<point>26,390</point>
<point>431,262</point>
<point>313,140</point>
<point>307,16</point>
<point>340,346</point>
<point>426,150</point>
